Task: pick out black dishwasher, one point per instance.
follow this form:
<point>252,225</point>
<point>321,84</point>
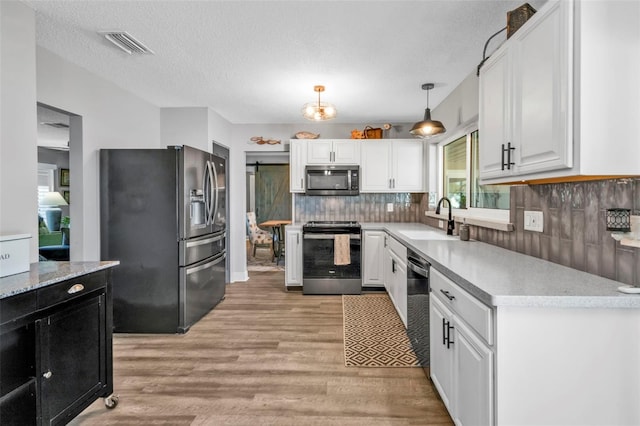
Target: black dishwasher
<point>418,306</point>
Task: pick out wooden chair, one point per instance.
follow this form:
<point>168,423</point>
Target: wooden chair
<point>257,236</point>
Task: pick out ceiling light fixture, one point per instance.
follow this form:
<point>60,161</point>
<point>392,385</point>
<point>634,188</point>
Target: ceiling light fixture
<point>427,127</point>
<point>319,111</point>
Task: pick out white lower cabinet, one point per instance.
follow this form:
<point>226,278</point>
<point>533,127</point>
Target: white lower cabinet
<point>473,377</point>
<point>293,264</point>
<point>373,258</point>
<point>395,273</point>
<point>461,364</point>
<point>441,355</point>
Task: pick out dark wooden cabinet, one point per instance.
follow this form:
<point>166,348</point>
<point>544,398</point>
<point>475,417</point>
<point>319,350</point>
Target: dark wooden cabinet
<point>56,351</point>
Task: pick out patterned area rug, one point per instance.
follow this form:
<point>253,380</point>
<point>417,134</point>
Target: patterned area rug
<point>374,335</point>
<point>262,262</point>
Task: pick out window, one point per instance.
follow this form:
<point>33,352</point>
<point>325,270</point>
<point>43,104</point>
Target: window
<point>455,172</point>
<point>485,196</point>
<point>460,162</point>
<point>45,179</point>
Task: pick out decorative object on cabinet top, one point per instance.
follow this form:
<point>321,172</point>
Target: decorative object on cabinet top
<point>261,141</point>
<point>517,17</point>
<point>307,135</point>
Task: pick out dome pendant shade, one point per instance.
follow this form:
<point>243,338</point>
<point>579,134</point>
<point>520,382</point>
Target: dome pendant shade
<point>427,127</point>
<point>319,111</point>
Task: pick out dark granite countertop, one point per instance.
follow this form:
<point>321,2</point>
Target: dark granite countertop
<point>42,274</point>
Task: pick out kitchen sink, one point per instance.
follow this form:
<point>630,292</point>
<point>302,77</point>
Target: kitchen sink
<point>426,235</point>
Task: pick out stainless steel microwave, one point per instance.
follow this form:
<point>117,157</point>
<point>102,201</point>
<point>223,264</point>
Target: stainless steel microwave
<point>332,180</point>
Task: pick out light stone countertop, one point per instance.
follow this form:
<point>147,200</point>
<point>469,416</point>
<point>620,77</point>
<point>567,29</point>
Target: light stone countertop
<point>500,277</point>
<point>42,274</point>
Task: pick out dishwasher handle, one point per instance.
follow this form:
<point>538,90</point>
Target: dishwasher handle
<point>419,266</point>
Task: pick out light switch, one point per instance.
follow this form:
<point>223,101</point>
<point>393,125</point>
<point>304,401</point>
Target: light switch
<point>389,207</point>
<point>533,221</point>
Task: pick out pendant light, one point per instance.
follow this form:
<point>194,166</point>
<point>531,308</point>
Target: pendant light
<point>427,127</point>
<point>319,111</point>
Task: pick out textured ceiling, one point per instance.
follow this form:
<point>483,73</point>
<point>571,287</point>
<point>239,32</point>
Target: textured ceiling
<point>257,61</point>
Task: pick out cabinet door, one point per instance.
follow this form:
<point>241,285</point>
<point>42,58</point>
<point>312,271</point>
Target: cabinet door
<point>408,166</point>
<point>346,151</point>
<point>293,265</point>
<point>401,290</point>
<point>73,359</point>
<point>398,285</point>
<point>473,378</point>
<point>541,96</point>
<point>375,171</point>
<point>441,356</point>
<point>297,162</point>
<point>493,115</point>
<point>319,151</point>
<point>373,255</point>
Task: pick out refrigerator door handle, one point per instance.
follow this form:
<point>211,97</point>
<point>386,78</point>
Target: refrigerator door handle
<point>192,269</point>
<point>208,193</point>
<point>215,190</point>
<point>205,241</point>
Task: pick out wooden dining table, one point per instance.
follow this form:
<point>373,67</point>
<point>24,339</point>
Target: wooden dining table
<point>277,234</point>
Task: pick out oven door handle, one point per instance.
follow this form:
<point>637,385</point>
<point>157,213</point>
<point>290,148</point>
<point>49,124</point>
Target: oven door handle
<point>328,236</point>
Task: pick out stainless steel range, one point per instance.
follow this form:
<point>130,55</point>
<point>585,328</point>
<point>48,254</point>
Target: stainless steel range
<point>331,258</point>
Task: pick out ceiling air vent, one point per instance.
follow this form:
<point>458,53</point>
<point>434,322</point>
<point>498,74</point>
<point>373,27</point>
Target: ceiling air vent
<point>55,125</point>
<point>126,42</point>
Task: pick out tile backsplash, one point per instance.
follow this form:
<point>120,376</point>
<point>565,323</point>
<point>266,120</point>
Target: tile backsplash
<point>361,208</point>
<point>575,233</point>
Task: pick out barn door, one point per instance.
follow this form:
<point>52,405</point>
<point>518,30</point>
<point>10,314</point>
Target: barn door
<point>273,199</point>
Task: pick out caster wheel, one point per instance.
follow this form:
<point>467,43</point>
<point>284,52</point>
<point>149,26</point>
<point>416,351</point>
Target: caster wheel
<point>111,401</point>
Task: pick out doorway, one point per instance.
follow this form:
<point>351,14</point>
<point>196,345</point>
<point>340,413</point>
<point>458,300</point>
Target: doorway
<point>268,196</point>
<point>55,129</point>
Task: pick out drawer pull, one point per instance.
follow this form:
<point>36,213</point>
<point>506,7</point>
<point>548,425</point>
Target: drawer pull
<point>447,294</point>
<point>76,288</point>
<point>47,375</point>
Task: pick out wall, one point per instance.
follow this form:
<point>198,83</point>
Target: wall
<point>110,118</point>
<point>18,117</point>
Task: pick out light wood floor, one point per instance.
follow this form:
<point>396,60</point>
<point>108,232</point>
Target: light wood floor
<point>264,356</point>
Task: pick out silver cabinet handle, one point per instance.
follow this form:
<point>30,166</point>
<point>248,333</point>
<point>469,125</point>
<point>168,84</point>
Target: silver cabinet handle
<point>297,238</point>
<point>47,375</point>
<point>76,288</point>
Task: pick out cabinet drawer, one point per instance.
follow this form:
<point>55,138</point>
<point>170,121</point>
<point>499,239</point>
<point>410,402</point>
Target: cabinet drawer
<point>17,306</point>
<point>70,289</point>
<point>475,313</point>
<point>397,247</point>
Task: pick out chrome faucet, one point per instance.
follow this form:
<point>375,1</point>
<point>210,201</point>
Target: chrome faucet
<point>450,222</point>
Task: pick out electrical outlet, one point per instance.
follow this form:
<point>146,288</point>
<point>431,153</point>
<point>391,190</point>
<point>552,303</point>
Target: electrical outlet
<point>389,207</point>
<point>533,221</point>
<point>441,224</point>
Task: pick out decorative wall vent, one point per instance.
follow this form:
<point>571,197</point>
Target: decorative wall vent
<point>126,42</point>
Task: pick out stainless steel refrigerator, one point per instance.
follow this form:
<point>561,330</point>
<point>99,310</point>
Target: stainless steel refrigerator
<point>162,215</point>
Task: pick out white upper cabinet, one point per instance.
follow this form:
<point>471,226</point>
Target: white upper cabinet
<point>297,161</point>
<point>524,91</point>
<point>553,100</point>
<point>392,165</point>
<point>341,151</point>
